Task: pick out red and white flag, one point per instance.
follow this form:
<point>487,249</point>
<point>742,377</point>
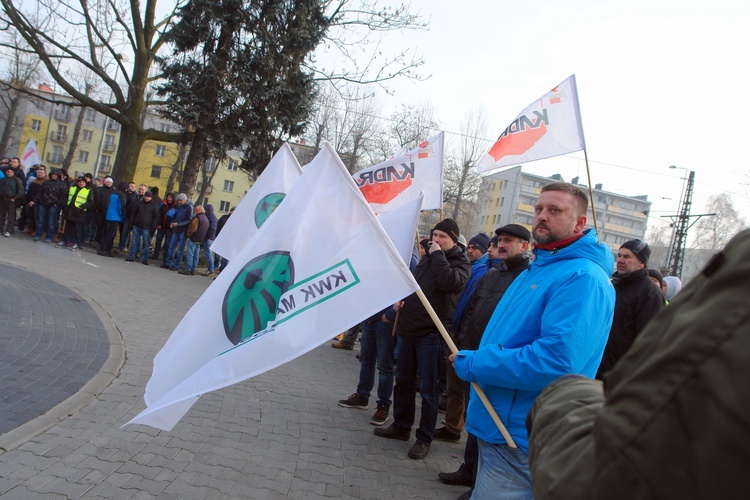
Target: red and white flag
<point>550,126</point>
<point>30,155</point>
<point>388,185</point>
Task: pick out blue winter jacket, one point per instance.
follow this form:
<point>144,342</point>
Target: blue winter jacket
<point>478,269</point>
<point>553,320</point>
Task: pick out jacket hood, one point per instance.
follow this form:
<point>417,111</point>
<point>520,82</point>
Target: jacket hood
<point>209,208</point>
<point>585,247</point>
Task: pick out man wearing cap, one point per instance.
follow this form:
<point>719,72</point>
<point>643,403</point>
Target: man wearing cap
<point>441,274</point>
<point>144,218</point>
<point>48,201</point>
<point>510,244</point>
<point>80,201</point>
<point>638,300</point>
<point>477,247</point>
<point>11,190</point>
<point>552,321</point>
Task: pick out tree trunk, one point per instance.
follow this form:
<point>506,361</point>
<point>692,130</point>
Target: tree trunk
<point>193,164</point>
<point>175,170</point>
<point>74,140</point>
<point>5,139</point>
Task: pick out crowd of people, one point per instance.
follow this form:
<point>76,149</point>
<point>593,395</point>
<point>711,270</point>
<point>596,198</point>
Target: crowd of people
<point>134,222</point>
<point>524,309</point>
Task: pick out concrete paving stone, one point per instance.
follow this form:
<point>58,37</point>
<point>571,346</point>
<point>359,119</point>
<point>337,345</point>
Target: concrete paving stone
<point>7,484</point>
<point>199,467</point>
<point>103,466</point>
<point>21,492</point>
<point>106,491</point>
<point>178,487</point>
<point>146,484</point>
<point>62,471</point>
<point>138,470</point>
<point>216,483</point>
<point>275,484</point>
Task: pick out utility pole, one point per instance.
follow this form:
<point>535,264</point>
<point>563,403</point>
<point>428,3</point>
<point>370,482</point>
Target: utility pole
<point>677,255</point>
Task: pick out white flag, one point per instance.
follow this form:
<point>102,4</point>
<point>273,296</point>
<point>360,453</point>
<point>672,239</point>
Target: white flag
<point>550,126</point>
<point>404,177</point>
<point>320,264</point>
<point>30,155</point>
<point>401,227</point>
<point>260,201</point>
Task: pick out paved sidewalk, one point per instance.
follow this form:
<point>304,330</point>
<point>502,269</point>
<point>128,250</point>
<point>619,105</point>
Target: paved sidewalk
<point>279,435</point>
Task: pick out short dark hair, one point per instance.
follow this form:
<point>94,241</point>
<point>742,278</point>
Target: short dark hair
<point>579,194</point>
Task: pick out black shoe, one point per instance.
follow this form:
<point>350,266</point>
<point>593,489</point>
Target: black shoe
<point>381,415</point>
<point>341,345</point>
<point>356,400</point>
<point>443,434</point>
<point>467,495</point>
<point>129,260</point>
<point>419,450</point>
<point>393,432</point>
<point>172,268</point>
<point>101,252</point>
<point>186,272</point>
<point>144,262</point>
<point>164,266</point>
<point>455,478</point>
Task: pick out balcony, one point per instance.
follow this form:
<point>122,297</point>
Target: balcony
<point>62,115</point>
<point>104,167</point>
<point>58,137</point>
<point>113,125</point>
<point>54,158</point>
<point>109,147</point>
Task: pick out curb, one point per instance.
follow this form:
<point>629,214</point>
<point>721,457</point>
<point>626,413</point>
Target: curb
<point>109,371</point>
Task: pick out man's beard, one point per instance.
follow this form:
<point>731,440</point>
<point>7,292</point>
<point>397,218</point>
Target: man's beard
<point>550,236</point>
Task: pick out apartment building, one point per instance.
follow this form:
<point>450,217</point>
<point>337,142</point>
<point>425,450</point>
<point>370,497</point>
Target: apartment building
<point>512,193</point>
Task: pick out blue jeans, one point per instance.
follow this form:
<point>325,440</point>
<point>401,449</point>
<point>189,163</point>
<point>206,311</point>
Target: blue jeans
<point>177,242</point>
<point>141,243</point>
<point>127,228</point>
<point>162,243</point>
<point>377,346</point>
<point>502,469</point>
<point>193,254</point>
<point>46,220</point>
<point>208,254</point>
<point>417,355</point>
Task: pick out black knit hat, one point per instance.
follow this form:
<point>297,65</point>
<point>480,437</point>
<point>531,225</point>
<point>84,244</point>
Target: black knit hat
<point>449,227</point>
<point>516,230</point>
<point>656,274</point>
<point>639,248</point>
<point>481,241</point>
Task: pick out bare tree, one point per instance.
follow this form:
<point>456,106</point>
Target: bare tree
<point>21,72</point>
<point>713,233</point>
<point>461,180</point>
<point>96,36</point>
<point>348,121</point>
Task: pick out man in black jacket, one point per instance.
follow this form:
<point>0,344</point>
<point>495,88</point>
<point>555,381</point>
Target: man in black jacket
<point>11,190</point>
<point>144,218</point>
<point>48,201</point>
<point>636,302</point>
<point>441,274</point>
<point>511,247</point>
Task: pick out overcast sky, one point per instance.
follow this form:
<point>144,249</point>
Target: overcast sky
<point>660,83</point>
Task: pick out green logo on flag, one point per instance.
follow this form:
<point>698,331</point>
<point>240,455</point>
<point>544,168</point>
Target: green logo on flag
<point>266,206</point>
<point>252,300</point>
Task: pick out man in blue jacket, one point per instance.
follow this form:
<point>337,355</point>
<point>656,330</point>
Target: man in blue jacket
<point>552,321</point>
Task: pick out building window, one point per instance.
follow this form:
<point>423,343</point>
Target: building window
<point>223,206</point>
<point>56,156</point>
<point>210,164</point>
<point>36,125</point>
<point>156,171</point>
<point>112,125</point>
<point>83,156</point>
<point>104,163</point>
<point>109,142</point>
<point>87,135</point>
<point>160,150</point>
<point>90,115</point>
<point>204,202</point>
<point>232,166</point>
<point>228,186</point>
<point>164,127</point>
<point>62,133</point>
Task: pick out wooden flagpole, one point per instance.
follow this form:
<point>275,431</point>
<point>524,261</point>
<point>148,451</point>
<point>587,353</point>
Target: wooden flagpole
<point>591,190</point>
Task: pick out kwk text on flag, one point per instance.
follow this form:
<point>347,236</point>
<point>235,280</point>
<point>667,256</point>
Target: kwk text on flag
<point>320,264</point>
<point>403,177</point>
<point>260,201</point>
<point>550,126</point>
